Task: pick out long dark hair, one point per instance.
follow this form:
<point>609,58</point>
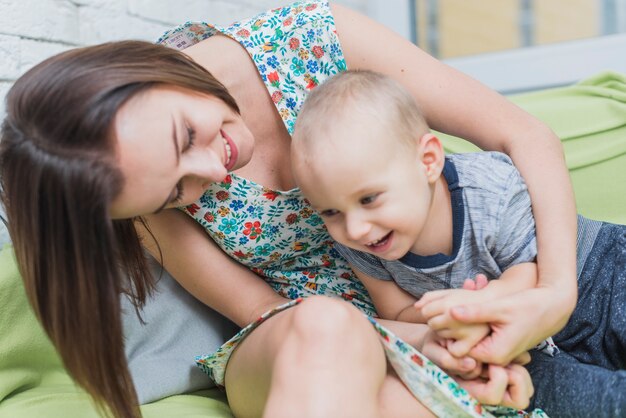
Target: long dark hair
<point>58,175</point>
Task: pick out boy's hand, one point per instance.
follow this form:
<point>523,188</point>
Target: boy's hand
<point>435,307</point>
<point>507,386</point>
<point>435,348</point>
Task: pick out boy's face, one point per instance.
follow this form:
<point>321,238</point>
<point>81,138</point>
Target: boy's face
<point>374,192</point>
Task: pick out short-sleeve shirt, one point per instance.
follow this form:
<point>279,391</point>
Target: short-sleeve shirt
<point>493,229</point>
<point>276,233</point>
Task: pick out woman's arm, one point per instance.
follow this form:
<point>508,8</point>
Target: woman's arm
<point>458,105</point>
<point>205,271</point>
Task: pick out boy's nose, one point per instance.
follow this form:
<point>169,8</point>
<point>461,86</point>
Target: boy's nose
<point>357,227</point>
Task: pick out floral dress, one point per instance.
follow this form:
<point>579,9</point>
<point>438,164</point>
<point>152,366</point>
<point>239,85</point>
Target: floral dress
<point>275,233</point>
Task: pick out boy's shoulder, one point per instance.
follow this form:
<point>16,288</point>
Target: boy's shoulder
<point>484,170</point>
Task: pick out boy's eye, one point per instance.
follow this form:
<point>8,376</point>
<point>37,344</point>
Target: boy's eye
<point>329,212</point>
<point>368,199</point>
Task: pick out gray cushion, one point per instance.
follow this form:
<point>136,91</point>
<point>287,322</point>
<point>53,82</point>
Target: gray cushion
<point>178,328</point>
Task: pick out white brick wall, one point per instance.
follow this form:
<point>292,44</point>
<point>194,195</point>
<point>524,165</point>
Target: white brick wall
<point>32,30</point>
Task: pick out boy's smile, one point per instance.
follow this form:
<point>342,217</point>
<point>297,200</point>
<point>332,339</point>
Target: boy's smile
<point>373,191</point>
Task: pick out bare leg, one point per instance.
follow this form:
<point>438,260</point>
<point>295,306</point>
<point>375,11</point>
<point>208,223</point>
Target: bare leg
<point>396,401</point>
<point>321,358</point>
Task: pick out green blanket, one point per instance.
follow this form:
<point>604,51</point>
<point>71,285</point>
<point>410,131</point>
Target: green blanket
<point>590,117</point>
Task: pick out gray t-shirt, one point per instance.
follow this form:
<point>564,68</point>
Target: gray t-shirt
<point>493,229</point>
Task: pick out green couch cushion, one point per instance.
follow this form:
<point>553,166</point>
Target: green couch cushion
<point>33,382</point>
<point>590,119</point>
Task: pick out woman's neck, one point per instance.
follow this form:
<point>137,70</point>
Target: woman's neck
<point>231,64</point>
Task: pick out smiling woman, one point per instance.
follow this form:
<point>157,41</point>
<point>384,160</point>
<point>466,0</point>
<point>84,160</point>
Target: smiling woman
<point>74,163</point>
<point>189,134</point>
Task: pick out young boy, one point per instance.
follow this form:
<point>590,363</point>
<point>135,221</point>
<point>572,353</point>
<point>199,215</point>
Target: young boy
<point>411,220</point>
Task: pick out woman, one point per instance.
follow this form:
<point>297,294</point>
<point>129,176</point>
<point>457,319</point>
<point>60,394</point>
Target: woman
<point>97,137</point>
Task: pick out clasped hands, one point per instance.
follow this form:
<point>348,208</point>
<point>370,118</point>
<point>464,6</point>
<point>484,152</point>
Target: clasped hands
<point>450,343</point>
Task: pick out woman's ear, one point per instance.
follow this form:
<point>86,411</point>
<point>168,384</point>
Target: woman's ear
<point>431,155</point>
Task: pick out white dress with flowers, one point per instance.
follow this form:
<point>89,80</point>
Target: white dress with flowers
<point>276,233</point>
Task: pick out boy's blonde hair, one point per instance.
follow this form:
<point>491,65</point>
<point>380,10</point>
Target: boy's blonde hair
<point>373,96</point>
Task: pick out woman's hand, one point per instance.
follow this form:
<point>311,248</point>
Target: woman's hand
<point>507,386</point>
<point>513,320</point>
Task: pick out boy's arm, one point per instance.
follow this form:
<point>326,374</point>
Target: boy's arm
<point>390,300</point>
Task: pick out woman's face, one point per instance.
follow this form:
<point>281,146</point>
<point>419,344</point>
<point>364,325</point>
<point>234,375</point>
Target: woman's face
<point>171,145</point>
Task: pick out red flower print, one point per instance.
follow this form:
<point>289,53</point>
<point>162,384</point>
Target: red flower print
<point>244,33</point>
<point>270,195</point>
<point>227,180</point>
<point>241,254</point>
<point>288,21</point>
<point>294,43</point>
<point>417,360</point>
<point>317,51</point>
<point>312,82</point>
<point>347,296</point>
<point>193,208</point>
<point>209,217</point>
<point>277,96</point>
<point>310,7</point>
<point>222,195</point>
<point>273,78</point>
<point>345,276</point>
<point>479,408</point>
<point>253,229</point>
<point>292,218</point>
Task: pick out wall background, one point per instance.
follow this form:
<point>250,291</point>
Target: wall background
<point>32,30</point>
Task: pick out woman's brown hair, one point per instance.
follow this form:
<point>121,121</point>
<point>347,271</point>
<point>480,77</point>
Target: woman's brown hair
<point>58,175</point>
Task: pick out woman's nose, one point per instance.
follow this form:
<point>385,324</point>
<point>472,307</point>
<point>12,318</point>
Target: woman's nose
<point>207,167</point>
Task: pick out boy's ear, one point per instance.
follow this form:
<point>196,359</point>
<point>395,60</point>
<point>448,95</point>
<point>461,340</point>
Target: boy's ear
<point>432,156</point>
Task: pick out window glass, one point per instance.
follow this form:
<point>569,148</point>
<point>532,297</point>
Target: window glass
<point>456,28</point>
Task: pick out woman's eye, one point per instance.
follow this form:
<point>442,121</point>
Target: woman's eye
<point>191,136</point>
<point>328,213</point>
<point>368,199</point>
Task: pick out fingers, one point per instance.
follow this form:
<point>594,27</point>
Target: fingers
<point>438,354</point>
<point>469,284</point>
<point>520,387</point>
<point>461,347</point>
<point>442,321</point>
<point>481,281</point>
<point>429,297</point>
<point>522,359</point>
<point>491,391</point>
